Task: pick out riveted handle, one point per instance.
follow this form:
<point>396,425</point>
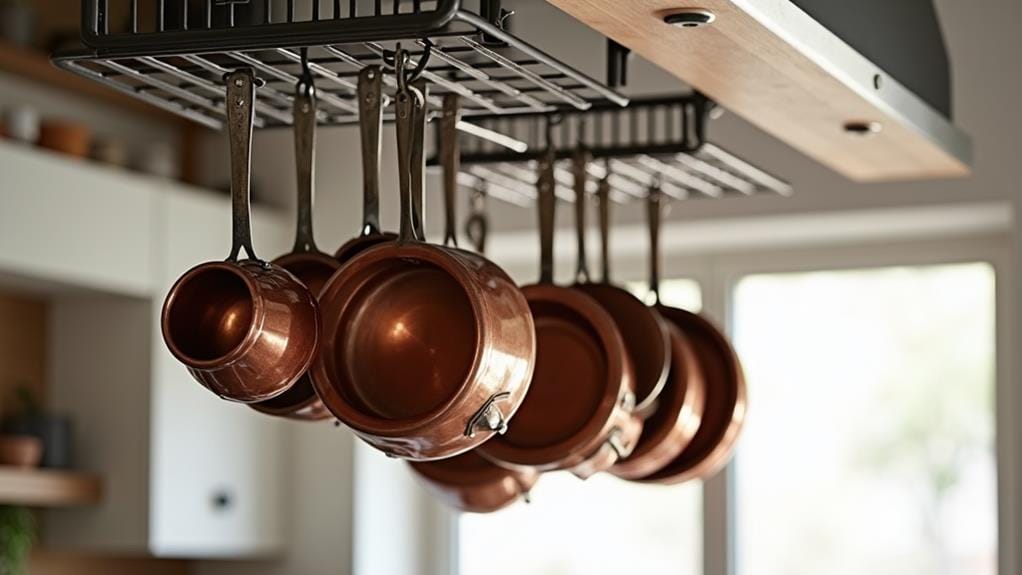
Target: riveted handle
<point>547,201</point>
<point>451,159</point>
<point>418,160</point>
<point>603,198</point>
<point>370,110</point>
<point>240,104</point>
<point>579,164</point>
<point>305,160</point>
<point>654,210</point>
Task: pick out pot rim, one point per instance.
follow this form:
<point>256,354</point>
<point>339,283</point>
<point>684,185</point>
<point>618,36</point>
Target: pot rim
<point>255,325</point>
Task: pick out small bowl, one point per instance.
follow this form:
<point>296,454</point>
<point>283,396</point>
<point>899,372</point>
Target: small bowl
<point>22,451</point>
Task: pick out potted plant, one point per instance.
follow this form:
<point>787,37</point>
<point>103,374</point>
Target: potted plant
<point>54,431</point>
<point>17,22</point>
<point>17,534</point>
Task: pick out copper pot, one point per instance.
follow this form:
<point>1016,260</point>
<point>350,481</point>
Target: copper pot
<point>247,329</point>
<point>370,96</point>
<point>712,445</point>
<point>647,340</point>
<point>427,351</point>
<point>471,483</point>
<point>20,451</point>
<point>578,414</point>
<point>70,138</point>
<point>311,266</point>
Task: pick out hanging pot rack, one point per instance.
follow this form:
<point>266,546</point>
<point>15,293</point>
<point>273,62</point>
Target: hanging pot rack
<point>174,55</point>
<point>658,142</point>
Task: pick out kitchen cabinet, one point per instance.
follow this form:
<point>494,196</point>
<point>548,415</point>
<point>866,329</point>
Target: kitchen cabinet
<point>185,475</point>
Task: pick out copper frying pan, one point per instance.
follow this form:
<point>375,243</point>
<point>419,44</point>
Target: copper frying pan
<point>426,351</point>
<point>311,266</point>
<point>370,108</point>
<point>725,395</point>
<point>246,329</point>
<point>645,334</point>
<point>578,414</point>
<point>471,483</point>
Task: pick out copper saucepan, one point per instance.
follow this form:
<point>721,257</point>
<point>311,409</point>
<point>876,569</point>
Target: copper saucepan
<point>427,351</point>
<point>578,414</point>
<point>471,483</point>
<point>645,334</point>
<point>311,266</point>
<point>725,395</point>
<point>246,329</point>
<point>370,109</point>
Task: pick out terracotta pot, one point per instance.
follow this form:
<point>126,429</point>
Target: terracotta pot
<point>20,451</point>
<point>578,414</point>
<point>472,484</point>
<point>65,137</point>
<point>312,267</point>
<point>426,351</point>
<point>247,329</point>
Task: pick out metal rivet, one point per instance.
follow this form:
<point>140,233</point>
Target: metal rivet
<point>239,82</point>
<point>690,18</point>
<point>860,128</point>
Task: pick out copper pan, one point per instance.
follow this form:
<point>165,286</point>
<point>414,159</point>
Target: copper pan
<point>426,351</point>
<point>311,266</point>
<point>370,99</point>
<point>247,329</point>
<point>725,396</point>
<point>578,414</point>
<point>471,483</point>
<point>645,334</point>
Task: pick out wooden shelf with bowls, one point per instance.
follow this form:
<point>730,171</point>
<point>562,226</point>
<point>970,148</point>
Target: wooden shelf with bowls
<point>48,488</point>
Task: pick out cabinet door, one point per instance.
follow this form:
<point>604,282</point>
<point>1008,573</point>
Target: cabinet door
<point>217,468</point>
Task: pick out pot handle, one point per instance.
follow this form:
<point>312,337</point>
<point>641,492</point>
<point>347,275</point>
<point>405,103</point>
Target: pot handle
<point>610,452</point>
<point>419,159</point>
<point>580,161</point>
<point>653,211</point>
<point>547,208</point>
<point>408,107</point>
<point>370,110</point>
<point>305,161</point>
<point>477,226</point>
<point>241,85</point>
<point>451,159</point>
<point>488,417</point>
<point>603,198</point>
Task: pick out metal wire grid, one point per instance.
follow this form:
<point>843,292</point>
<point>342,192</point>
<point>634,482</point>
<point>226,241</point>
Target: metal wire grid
<point>709,173</point>
<point>494,72</point>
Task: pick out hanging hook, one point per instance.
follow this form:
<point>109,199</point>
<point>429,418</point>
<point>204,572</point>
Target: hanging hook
<point>306,83</point>
<point>399,58</point>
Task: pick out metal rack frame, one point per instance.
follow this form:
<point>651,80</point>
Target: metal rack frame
<point>173,55</point>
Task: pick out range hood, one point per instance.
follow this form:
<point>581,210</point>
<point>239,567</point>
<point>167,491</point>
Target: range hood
<point>862,87</point>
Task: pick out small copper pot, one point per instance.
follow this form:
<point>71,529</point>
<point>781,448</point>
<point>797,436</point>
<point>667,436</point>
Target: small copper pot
<point>311,266</point>
<point>471,483</point>
<point>724,391</point>
<point>676,415</point>
<point>370,96</point>
<point>247,329</point>
<point>427,351</point>
<point>578,414</point>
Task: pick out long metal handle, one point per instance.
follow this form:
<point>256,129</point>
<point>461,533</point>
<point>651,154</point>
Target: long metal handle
<point>240,117</point>
<point>451,158</point>
<point>370,96</point>
<point>418,160</point>
<point>305,163</point>
<point>580,162</point>
<point>603,197</point>
<point>653,213</point>
<point>405,120</point>
<point>547,208</point>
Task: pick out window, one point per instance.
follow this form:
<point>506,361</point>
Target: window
<point>603,526</point>
<point>869,445</point>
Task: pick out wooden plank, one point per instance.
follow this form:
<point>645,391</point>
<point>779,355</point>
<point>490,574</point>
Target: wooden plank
<point>46,488</point>
<point>773,65</point>
<point>50,563</point>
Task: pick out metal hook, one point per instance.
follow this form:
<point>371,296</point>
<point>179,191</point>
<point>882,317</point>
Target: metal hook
<point>306,82</point>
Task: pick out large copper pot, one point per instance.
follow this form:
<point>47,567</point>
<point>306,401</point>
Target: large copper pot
<point>471,483</point>
<point>246,329</point>
<point>426,351</point>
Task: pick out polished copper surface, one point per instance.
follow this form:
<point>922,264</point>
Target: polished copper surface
<point>646,337</point>
<point>357,245</point>
<point>473,484</point>
<point>676,416</point>
<point>246,330</point>
<point>581,393</point>
<point>725,402</point>
<point>417,339</point>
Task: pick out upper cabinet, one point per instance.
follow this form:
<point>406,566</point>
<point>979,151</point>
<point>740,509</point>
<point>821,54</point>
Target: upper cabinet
<point>185,474</point>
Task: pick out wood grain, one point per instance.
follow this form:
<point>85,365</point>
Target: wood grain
<point>745,62</point>
<point>46,488</point>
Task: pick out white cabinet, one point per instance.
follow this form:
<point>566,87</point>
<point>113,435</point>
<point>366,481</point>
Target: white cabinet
<point>185,473</point>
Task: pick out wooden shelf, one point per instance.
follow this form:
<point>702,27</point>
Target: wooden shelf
<point>48,488</point>
<point>36,66</point>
